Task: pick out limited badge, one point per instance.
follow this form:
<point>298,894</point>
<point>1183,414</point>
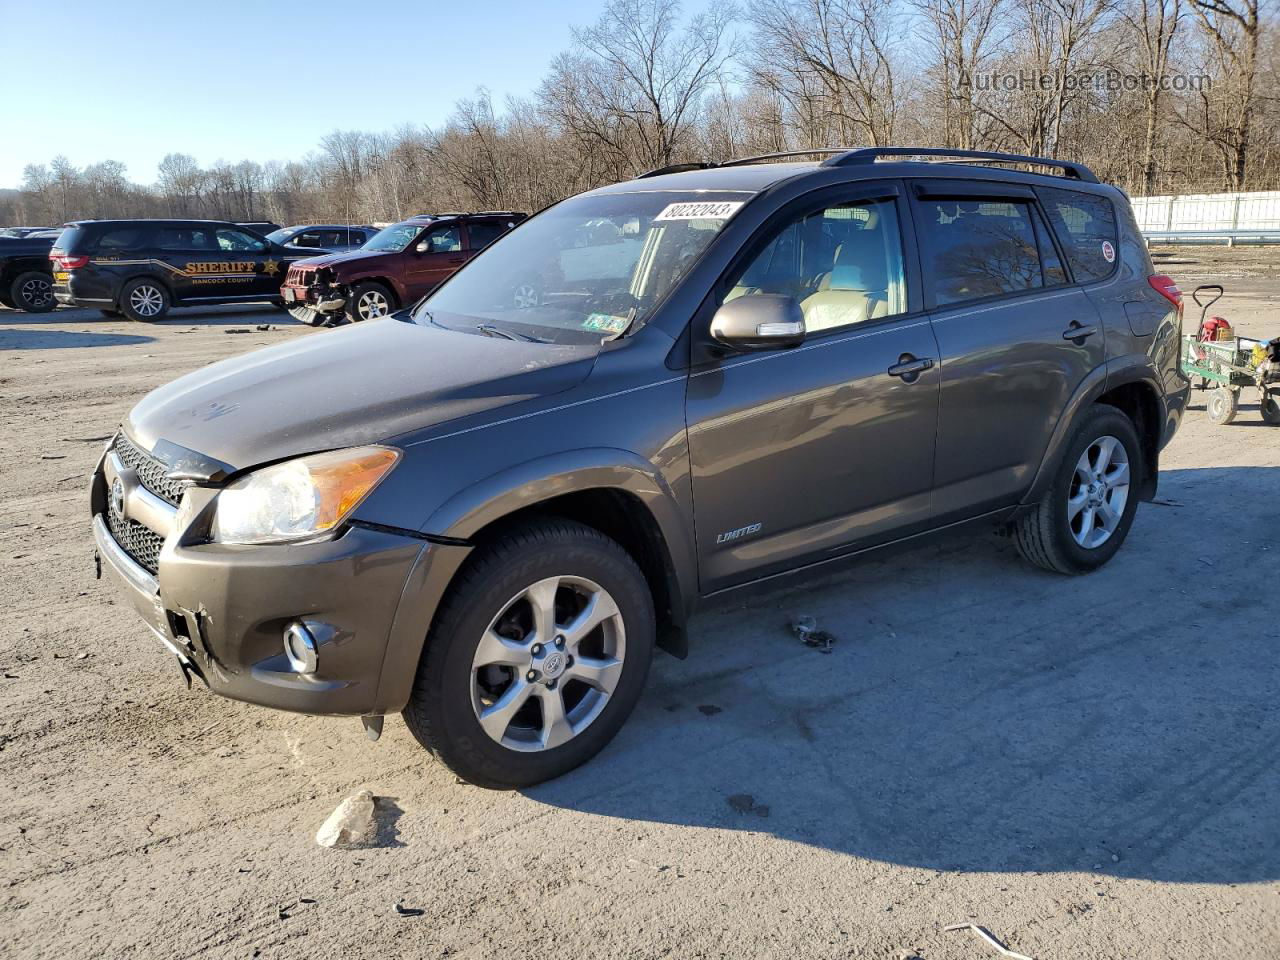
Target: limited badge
<point>1108,251</point>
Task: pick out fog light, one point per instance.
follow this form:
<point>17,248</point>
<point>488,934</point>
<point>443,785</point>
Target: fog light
<point>300,648</point>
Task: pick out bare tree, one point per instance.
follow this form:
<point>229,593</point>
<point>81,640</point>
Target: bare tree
<point>634,83</point>
<point>1223,111</point>
<point>962,35</point>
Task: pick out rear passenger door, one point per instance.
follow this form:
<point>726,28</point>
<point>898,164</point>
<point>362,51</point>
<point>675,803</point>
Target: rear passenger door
<point>193,263</point>
<point>800,455</point>
<point>1016,338</point>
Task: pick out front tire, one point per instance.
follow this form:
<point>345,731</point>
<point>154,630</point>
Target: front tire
<point>32,291</point>
<point>1088,510</point>
<point>537,656</point>
<point>369,301</point>
<point>144,301</point>
<point>1269,406</point>
<point>1222,406</point>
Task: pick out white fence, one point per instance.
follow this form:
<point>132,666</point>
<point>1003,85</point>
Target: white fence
<point>1210,217</point>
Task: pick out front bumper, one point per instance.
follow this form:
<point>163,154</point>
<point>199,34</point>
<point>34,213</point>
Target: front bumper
<point>223,609</point>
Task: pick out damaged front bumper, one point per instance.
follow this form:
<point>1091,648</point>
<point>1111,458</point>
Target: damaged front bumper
<point>223,610</point>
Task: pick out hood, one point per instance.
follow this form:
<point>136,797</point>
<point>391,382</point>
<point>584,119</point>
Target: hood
<point>360,384</point>
<point>360,259</point>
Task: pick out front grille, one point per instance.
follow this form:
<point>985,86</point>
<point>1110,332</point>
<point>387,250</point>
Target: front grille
<point>299,276</point>
<point>139,542</point>
<point>151,472</point>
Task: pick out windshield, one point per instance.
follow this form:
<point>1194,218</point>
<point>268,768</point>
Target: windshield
<point>394,238</point>
<point>279,236</point>
<point>591,267</point>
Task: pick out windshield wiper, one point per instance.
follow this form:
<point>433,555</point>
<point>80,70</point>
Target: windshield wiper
<point>493,330</point>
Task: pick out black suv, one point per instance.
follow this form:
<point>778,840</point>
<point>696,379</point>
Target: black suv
<point>141,268</point>
<point>501,501</point>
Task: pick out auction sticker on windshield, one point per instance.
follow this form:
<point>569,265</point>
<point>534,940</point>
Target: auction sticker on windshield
<point>715,210</point>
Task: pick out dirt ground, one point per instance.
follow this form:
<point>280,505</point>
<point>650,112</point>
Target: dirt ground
<point>1087,767</point>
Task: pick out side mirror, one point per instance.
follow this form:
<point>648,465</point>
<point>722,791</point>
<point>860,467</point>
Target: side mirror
<point>759,321</point>
<point>423,247</point>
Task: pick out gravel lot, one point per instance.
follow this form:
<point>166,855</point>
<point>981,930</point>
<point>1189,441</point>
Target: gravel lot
<point>1085,766</point>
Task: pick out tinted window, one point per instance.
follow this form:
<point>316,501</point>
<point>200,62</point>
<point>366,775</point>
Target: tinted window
<point>444,240</point>
<point>185,238</point>
<point>482,234</point>
<point>978,248</point>
<point>1054,272</point>
<point>843,264</point>
<point>238,241</point>
<point>121,238</point>
<point>308,238</point>
<point>1086,225</point>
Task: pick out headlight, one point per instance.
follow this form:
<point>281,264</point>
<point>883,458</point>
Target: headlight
<point>299,498</point>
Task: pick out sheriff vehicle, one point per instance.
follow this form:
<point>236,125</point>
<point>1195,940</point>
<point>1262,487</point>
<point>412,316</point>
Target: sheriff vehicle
<point>142,268</point>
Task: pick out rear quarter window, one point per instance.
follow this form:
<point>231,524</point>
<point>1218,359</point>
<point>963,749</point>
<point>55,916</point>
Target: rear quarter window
<point>120,238</point>
<point>1086,226</point>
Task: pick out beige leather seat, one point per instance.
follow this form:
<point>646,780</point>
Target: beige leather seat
<point>854,289</point>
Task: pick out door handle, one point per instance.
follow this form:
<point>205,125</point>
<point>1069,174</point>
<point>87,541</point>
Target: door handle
<point>1078,331</point>
<point>909,368</point>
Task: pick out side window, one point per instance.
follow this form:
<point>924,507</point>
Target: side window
<point>1054,273</point>
<point>444,240</point>
<point>121,238</point>
<point>1086,225</point>
<point>480,235</point>
<point>978,248</point>
<point>185,238</point>
<point>308,238</point>
<point>842,263</point>
<point>238,241</point>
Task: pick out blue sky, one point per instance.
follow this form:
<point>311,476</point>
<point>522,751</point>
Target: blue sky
<point>230,79</point>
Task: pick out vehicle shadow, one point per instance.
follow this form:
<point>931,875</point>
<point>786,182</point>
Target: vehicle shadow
<point>223,315</point>
<point>62,339</point>
<point>977,714</point>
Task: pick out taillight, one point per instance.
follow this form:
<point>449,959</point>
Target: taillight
<point>63,262</point>
<point>1167,287</point>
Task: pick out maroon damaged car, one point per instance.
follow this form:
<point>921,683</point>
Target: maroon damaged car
<point>395,268</point>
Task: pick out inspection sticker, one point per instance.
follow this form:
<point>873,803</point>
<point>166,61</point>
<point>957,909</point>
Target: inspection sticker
<point>1108,252</point>
<point>714,210</point>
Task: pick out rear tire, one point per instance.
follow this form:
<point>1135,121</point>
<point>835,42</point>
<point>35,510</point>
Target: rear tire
<point>369,301</point>
<point>32,291</point>
<point>1086,513</point>
<point>1270,408</point>
<point>489,652</point>
<point>144,300</point>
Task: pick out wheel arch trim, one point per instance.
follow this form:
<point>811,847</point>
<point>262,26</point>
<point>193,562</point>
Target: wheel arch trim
<point>512,491</point>
<point>1099,381</point>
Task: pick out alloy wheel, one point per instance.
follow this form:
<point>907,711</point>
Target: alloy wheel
<point>146,300</point>
<point>36,292</point>
<point>548,664</point>
<point>373,304</point>
<point>1099,492</point>
<point>526,296</point>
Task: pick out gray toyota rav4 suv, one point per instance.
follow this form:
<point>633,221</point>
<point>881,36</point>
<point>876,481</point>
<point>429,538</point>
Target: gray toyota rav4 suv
<point>487,511</point>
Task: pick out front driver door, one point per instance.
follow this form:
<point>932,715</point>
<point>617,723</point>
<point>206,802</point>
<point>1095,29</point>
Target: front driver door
<point>436,255</point>
<point>802,455</point>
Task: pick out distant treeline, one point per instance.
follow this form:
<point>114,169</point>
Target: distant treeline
<point>1158,96</point>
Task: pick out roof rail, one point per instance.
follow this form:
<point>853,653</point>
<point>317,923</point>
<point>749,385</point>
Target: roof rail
<point>847,158</point>
<point>743,161</point>
<point>674,168</point>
